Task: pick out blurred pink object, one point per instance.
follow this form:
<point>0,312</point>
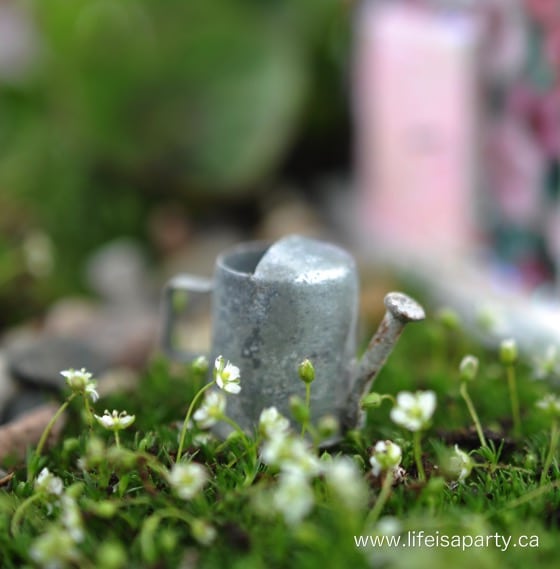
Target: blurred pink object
<point>416,113</point>
<point>515,171</point>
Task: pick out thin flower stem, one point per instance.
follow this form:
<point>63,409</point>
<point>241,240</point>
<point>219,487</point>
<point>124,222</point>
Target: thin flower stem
<point>512,384</point>
<point>18,514</point>
<point>188,417</point>
<point>117,438</point>
<point>89,412</point>
<point>418,455</point>
<point>48,429</point>
<point>473,413</point>
<point>305,423</point>
<point>381,499</point>
<point>554,434</point>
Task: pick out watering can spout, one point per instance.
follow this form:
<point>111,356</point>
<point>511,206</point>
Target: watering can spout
<point>401,309</point>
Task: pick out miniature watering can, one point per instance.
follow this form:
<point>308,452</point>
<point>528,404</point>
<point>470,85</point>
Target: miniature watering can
<point>274,306</point>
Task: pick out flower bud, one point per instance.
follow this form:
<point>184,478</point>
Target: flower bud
<point>468,368</point>
<point>457,465</point>
<point>328,426</point>
<point>371,400</point>
<point>449,318</point>
<point>200,365</point>
<point>306,371</point>
<point>508,352</point>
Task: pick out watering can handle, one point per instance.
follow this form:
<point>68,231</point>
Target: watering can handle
<point>192,288</point>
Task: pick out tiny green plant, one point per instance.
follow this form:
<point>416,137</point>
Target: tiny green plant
<point>468,370</point>
<point>508,357</point>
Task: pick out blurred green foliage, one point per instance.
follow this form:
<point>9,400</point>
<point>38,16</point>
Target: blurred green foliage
<point>119,105</point>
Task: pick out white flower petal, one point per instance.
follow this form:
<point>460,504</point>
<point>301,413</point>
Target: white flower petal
<point>406,400</point>
<point>427,400</point>
<point>187,479</point>
<point>127,420</point>
<point>293,498</point>
<point>398,416</point>
<point>380,446</point>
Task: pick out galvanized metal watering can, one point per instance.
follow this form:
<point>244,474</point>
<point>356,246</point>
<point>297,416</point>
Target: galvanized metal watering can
<point>276,305</point>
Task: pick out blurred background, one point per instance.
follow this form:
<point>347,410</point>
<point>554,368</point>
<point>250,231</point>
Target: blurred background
<point>424,130</point>
<point>156,122</point>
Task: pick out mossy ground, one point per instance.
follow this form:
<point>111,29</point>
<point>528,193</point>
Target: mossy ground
<point>132,519</point>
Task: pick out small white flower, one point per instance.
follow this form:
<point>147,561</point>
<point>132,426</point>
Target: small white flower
<point>388,525</point>
<point>293,498</point>
<point>80,382</point>
<point>291,454</point>
<point>203,532</point>
<point>71,518</point>
<point>275,450</point>
<point>227,375</point>
<point>211,410</point>
<point>187,479</point>
<point>413,411</point>
<point>55,549</point>
<point>547,365</point>
<point>346,481</point>
<point>203,438</point>
<point>386,456</point>
<point>115,421</point>
<point>550,404</point>
<point>272,423</point>
<point>49,483</point>
<point>460,463</point>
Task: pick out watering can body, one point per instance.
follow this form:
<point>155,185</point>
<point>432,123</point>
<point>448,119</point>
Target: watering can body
<point>274,306</point>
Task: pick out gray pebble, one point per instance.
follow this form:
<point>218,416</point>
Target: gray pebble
<point>39,363</point>
<point>26,399</point>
